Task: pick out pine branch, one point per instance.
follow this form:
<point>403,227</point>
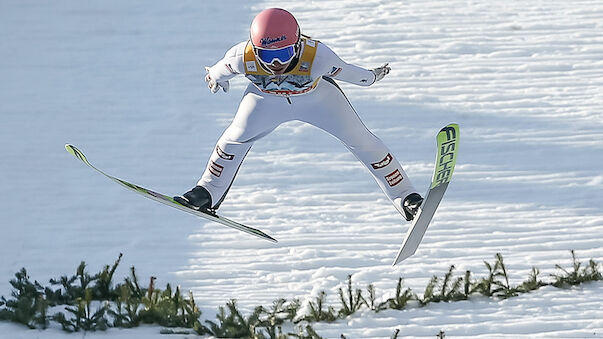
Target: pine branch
<point>352,301</point>
<point>402,297</point>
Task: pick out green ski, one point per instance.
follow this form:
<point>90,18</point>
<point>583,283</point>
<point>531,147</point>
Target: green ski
<point>448,145</point>
<point>167,200</point>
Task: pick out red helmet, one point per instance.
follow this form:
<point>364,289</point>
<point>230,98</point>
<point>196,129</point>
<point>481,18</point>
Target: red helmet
<point>274,28</point>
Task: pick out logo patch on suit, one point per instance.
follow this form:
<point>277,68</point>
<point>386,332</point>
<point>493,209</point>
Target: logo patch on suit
<point>304,67</point>
<point>215,169</point>
<point>394,178</point>
<point>223,154</point>
<point>335,71</point>
<point>251,67</point>
<point>386,161</point>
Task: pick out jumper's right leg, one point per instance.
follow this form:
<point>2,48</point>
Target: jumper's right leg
<point>257,116</point>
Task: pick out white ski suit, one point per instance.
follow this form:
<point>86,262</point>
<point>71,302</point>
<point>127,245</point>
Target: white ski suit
<point>305,92</point>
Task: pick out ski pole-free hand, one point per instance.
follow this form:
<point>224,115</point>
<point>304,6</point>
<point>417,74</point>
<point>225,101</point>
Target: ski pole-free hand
<point>214,85</point>
<point>381,72</point>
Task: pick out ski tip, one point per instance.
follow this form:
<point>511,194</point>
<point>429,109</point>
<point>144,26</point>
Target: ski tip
<point>76,153</point>
<point>450,125</point>
<point>71,149</point>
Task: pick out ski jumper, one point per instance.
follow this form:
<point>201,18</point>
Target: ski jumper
<point>305,92</point>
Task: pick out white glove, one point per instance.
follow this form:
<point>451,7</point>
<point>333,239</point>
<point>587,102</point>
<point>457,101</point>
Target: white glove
<point>381,72</point>
<point>213,85</point>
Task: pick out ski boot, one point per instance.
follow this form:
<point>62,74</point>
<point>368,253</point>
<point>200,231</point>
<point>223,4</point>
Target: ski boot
<point>411,205</point>
<point>197,198</point>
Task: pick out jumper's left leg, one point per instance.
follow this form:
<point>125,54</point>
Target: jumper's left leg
<point>333,113</point>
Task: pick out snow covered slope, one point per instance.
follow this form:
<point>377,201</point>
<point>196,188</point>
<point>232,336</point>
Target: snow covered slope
<point>124,81</point>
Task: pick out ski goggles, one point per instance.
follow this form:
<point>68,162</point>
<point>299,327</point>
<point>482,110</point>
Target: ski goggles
<point>282,55</point>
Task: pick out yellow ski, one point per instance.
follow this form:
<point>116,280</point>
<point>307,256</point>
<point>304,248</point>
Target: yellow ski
<point>448,146</point>
<point>167,200</point>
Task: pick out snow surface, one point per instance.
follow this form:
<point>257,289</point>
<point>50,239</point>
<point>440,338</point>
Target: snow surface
<point>124,82</point>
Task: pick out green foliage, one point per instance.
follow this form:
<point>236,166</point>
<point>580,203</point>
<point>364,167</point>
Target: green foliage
<point>28,306</point>
<point>577,276</point>
<point>103,288</point>
<point>402,297</point>
<point>371,302</point>
<point>292,307</point>
<point>83,316</point>
<point>484,285</point>
<point>168,309</point>
<point>270,321</point>
<point>447,290</point>
<point>126,309</point>
<point>233,324</point>
<point>532,283</point>
<point>73,287</point>
<point>468,285</point>
<point>351,300</point>
<point>132,283</point>
<point>318,312</point>
<point>493,285</point>
<point>94,302</point>
<point>503,289</point>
